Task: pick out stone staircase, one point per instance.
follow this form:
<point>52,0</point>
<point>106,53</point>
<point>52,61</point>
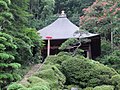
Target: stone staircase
<point>33,70</point>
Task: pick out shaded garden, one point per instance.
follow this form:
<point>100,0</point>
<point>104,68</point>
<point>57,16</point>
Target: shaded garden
<point>20,45</point>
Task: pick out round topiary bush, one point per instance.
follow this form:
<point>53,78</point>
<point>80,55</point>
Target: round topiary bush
<point>36,81</point>
<point>86,73</point>
<point>53,76</point>
<point>39,88</point>
<point>15,86</point>
<point>116,81</point>
<point>57,59</point>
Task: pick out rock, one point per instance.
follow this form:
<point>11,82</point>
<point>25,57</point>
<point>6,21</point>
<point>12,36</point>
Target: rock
<point>73,88</point>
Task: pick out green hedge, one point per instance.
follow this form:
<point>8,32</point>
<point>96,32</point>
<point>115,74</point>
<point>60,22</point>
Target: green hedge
<point>53,76</point>
<point>77,71</point>
<point>86,73</point>
<point>104,87</point>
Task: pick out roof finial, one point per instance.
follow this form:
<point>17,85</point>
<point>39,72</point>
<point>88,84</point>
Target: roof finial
<point>62,15</point>
<point>62,12</point>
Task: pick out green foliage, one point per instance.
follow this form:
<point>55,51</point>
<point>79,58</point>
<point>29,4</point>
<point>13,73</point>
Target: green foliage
<point>103,17</point>
<point>32,34</point>
<point>111,59</point>
<point>5,56</point>
<point>24,44</point>
<point>39,88</point>
<point>26,39</point>
<point>15,65</point>
<point>46,79</point>
<point>41,9</point>
<point>68,43</point>
<point>46,11</point>
<point>23,89</point>
<point>3,5</point>
<point>36,43</point>
<point>116,81</point>
<point>104,87</point>
<point>36,81</point>
<point>42,13</point>
<point>21,44</point>
<point>86,73</point>
<point>88,88</point>
<point>73,45</point>
<point>55,78</point>
<point>73,8</point>
<point>5,15</point>
<point>8,1</point>
<point>15,86</point>
<point>57,59</point>
<point>105,47</point>
<point>7,67</point>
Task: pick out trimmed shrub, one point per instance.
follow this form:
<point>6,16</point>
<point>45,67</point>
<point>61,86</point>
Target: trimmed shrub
<point>15,86</point>
<point>104,87</point>
<point>116,81</point>
<point>23,89</point>
<point>26,84</point>
<point>36,81</point>
<point>88,88</point>
<point>57,59</point>
<point>39,88</point>
<point>53,76</point>
<point>86,73</point>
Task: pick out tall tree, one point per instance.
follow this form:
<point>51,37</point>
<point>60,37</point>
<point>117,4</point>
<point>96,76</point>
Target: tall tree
<point>103,17</point>
<point>26,45</point>
<point>46,11</point>
<point>7,65</point>
<point>42,11</point>
<point>7,47</point>
<point>5,14</point>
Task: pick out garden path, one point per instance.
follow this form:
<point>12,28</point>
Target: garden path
<point>33,70</point>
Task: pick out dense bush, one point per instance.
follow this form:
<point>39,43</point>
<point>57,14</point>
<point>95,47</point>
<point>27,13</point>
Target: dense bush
<point>116,81</point>
<point>114,59</point>
<point>48,78</point>
<point>53,76</point>
<point>36,81</point>
<point>104,87</point>
<point>111,59</point>
<point>15,86</point>
<point>39,88</point>
<point>105,47</point>
<point>83,72</point>
<point>86,73</point>
<point>80,72</point>
<point>57,59</point>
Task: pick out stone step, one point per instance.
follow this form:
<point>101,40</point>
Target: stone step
<point>33,70</point>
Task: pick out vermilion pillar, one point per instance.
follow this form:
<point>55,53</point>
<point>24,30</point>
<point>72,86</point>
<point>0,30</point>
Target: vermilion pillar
<point>48,45</point>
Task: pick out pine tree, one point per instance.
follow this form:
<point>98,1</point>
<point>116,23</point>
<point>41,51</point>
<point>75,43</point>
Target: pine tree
<point>7,66</point>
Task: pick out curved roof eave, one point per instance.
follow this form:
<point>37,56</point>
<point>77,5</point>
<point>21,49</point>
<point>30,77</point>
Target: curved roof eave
<point>62,28</point>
